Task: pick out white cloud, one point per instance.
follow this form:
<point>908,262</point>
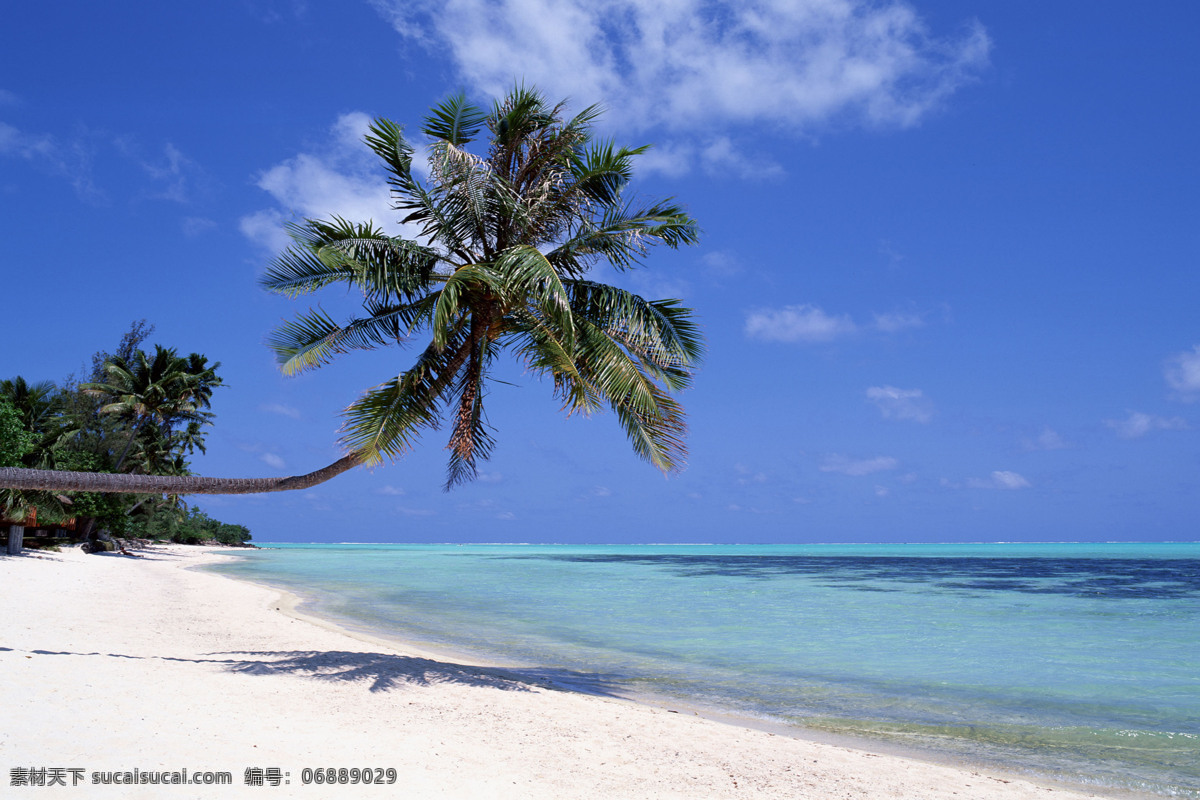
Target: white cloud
<point>391,491</point>
<point>1138,424</point>
<point>721,157</point>
<point>896,403</point>
<point>809,323</point>
<point>858,467</point>
<point>671,159</point>
<point>1183,374</point>
<point>1000,479</point>
<point>273,461</point>
<point>803,323</point>
<point>683,63</point>
<point>343,178</point>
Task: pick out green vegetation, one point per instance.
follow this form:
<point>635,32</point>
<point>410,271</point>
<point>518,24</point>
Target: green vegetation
<point>140,414</point>
<point>15,441</point>
<point>191,527</point>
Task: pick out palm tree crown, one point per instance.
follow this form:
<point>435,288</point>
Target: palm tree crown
<point>157,395</point>
<point>504,246</point>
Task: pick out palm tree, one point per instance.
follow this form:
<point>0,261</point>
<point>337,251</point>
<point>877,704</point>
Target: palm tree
<point>501,263</point>
<point>156,394</point>
<point>35,403</point>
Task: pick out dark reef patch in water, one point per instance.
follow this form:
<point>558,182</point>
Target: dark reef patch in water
<point>1116,578</point>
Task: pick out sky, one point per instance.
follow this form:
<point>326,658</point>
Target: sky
<point>947,275</point>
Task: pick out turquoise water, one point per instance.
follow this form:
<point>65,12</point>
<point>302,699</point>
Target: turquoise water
<point>1077,662</point>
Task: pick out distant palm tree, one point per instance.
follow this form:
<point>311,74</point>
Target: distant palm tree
<point>501,261</point>
<point>158,393</point>
<point>35,404</point>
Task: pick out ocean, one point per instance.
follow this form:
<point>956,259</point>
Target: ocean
<point>1072,662</point>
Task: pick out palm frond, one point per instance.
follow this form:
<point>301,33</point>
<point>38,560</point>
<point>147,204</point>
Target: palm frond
<point>543,351</point>
<point>387,419</point>
<point>386,140</point>
<point>327,252</point>
<point>528,278</point>
<point>451,305</point>
<point>622,237</point>
<point>455,121</point>
<point>308,341</point>
<point>604,170</point>
<point>652,419</point>
<point>662,333</point>
<point>659,438</point>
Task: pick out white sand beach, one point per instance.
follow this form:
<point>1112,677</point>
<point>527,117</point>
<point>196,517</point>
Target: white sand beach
<point>110,664</point>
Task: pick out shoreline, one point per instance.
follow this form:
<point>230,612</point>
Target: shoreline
<point>122,662</point>
<point>292,604</point>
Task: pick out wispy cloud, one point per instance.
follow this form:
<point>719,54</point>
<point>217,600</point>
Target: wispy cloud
<point>685,63</point>
<point>415,512</point>
<point>1138,424</point>
<point>164,174</point>
<point>194,226</point>
<point>747,476</point>
<point>893,403</point>
<point>845,465</point>
<point>803,323</point>
<point>723,157</point>
<point>281,409</point>
<point>807,323</point>
<point>67,159</point>
<point>1182,373</point>
<point>897,321</point>
<point>722,264</point>
<point>173,175</point>
<point>1048,439</point>
<point>273,461</point>
<point>1000,479</point>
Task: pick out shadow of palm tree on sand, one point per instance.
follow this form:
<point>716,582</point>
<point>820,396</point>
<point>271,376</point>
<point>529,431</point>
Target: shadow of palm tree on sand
<point>386,671</point>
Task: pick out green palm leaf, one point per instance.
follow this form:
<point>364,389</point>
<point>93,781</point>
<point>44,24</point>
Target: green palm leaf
<point>455,121</point>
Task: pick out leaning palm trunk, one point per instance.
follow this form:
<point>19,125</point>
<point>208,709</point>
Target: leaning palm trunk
<point>51,480</point>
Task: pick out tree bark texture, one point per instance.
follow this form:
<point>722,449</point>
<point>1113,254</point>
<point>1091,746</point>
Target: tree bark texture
<point>16,538</point>
<point>52,480</point>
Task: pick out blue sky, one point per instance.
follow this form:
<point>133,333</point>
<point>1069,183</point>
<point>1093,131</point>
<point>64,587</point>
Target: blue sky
<point>947,278</point>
